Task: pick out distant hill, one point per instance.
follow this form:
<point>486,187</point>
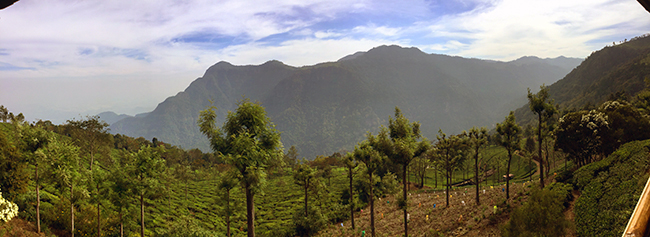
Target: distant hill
<point>620,68</point>
<point>330,106</point>
<point>111,117</point>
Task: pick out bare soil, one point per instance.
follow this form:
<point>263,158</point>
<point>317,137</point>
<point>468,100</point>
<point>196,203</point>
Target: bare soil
<point>461,218</point>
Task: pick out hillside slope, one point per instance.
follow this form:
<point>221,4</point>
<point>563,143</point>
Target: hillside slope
<point>330,106</point>
<point>610,70</point>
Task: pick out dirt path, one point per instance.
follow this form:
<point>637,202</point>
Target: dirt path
<point>569,215</point>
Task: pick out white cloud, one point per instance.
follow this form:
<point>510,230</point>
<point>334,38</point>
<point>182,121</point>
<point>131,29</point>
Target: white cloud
<point>514,28</point>
<point>124,54</point>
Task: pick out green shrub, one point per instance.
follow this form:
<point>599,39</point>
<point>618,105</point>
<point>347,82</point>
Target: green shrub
<point>310,224</point>
<point>541,215</point>
<point>610,190</point>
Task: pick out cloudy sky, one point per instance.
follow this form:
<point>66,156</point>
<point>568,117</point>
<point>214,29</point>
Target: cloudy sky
<point>66,58</point>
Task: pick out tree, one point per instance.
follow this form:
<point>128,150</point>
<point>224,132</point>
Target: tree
<point>248,141</point>
<point>580,135</point>
<point>13,168</point>
<point>35,140</point>
<point>544,110</point>
<point>448,155</point>
<point>227,182</point>
<point>66,171</point>
<point>291,158</point>
<point>4,113</point>
<point>121,185</point>
<point>303,176</point>
<point>401,143</point>
<point>91,135</point>
<point>371,158</point>
<point>420,165</point>
<point>147,167</point>
<point>350,164</point>
<point>477,139</point>
<point>509,137</point>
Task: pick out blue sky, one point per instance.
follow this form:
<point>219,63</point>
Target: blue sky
<point>68,58</point>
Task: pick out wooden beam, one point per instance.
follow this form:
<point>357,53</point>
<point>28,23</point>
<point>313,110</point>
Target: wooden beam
<point>638,223</point>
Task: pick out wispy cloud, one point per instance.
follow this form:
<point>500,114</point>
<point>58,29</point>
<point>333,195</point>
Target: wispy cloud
<point>164,45</point>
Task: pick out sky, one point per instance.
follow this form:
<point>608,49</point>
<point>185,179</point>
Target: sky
<point>64,59</point>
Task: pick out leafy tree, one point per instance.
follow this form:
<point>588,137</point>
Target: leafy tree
<point>35,140</point>
<point>147,167</point>
<point>304,176</point>
<point>248,141</point>
<point>509,137</point>
<point>227,182</point>
<point>477,139</point>
<point>371,158</point>
<point>529,148</point>
<point>448,155</point>
<point>4,113</point>
<point>14,177</point>
<point>420,165</point>
<point>544,110</point>
<point>90,135</point>
<point>350,165</point>
<point>121,185</point>
<point>66,171</point>
<point>291,158</point>
<point>401,144</point>
<point>580,134</point>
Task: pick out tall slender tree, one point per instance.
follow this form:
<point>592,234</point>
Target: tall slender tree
<point>147,168</point>
<point>372,159</point>
<point>66,170</point>
<point>227,182</point>
<point>448,156</point>
<point>304,176</point>
<point>477,139</point>
<point>121,185</point>
<point>35,140</point>
<point>543,107</point>
<point>510,138</point>
<point>350,164</point>
<point>248,141</point>
<point>401,143</point>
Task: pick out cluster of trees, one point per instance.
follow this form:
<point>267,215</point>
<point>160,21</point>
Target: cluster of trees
<point>80,170</point>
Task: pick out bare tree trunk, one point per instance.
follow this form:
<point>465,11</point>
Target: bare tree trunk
<point>250,211</point>
<point>447,178</point>
<point>306,197</point>
<point>406,228</point>
<point>121,225</point>
<point>98,212</point>
<point>372,208</point>
<point>539,142</point>
<point>228,212</point>
<point>508,175</point>
<point>71,210</point>
<point>142,214</point>
<point>38,203</point>
<point>351,199</point>
<point>476,177</point>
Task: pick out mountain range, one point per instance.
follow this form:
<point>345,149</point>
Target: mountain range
<point>328,107</point>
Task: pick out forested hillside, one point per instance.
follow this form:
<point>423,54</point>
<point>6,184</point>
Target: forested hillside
<point>616,71</point>
<point>327,107</point>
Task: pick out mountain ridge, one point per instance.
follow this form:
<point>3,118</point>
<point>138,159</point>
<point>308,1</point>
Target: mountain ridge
<point>330,106</point>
